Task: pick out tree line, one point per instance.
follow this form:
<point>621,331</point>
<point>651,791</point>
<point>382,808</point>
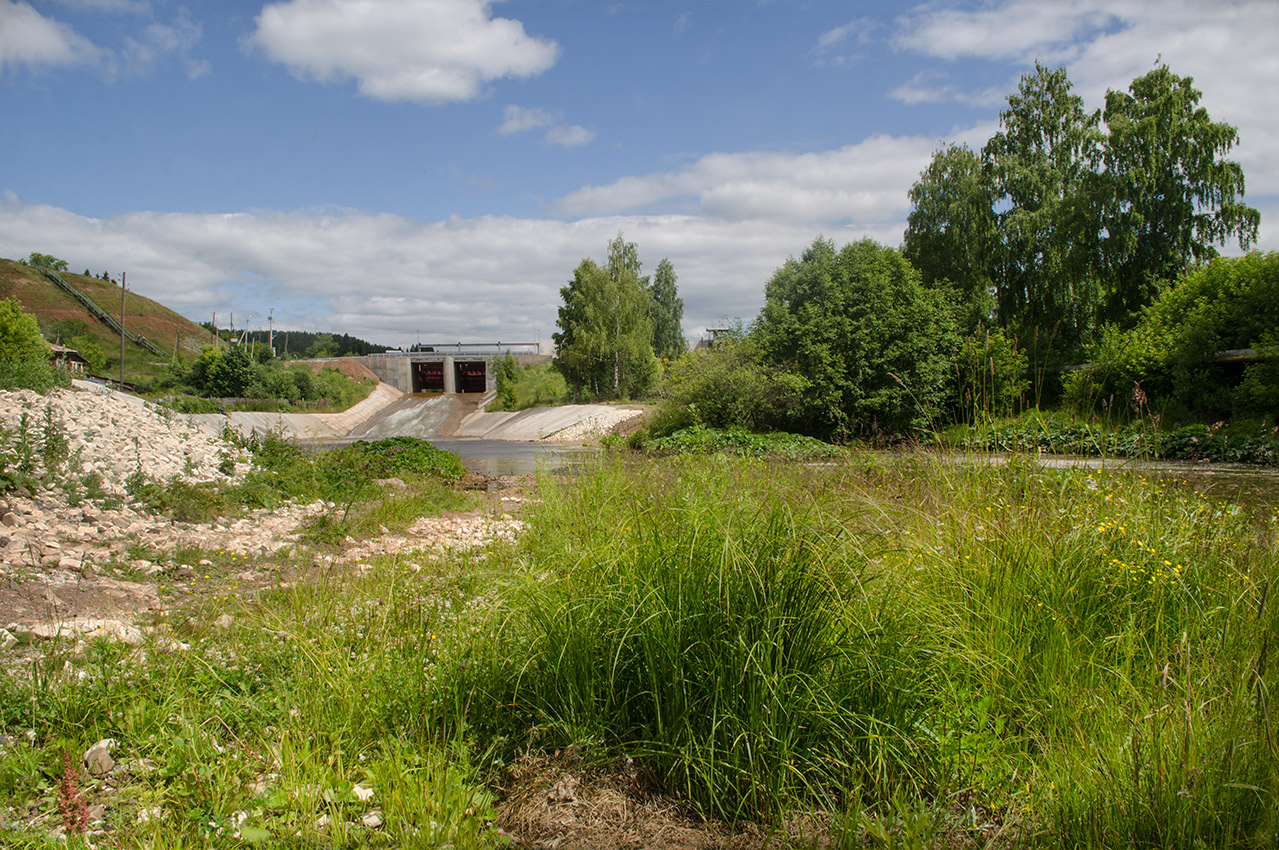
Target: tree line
<point>1071,237</point>
<point>615,324</point>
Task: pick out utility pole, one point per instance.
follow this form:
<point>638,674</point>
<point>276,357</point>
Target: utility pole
<point>270,334</point>
<point>122,283</point>
<point>213,330</point>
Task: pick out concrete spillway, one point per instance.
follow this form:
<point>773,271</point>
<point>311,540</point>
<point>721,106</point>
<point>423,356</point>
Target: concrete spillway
<point>389,413</point>
<point>417,416</point>
<point>463,416</point>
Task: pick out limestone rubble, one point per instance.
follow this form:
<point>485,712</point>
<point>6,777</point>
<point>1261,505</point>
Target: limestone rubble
<point>73,564</point>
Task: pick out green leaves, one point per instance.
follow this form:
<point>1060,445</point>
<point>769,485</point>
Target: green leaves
<point>872,343</point>
<point>1170,195</point>
<point>1075,218</point>
<point>604,347</point>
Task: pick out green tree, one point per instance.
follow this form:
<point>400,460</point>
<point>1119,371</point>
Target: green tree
<point>507,376</point>
<point>668,313</point>
<point>951,233</point>
<point>604,345</point>
<point>91,350</point>
<point>1171,195</point>
<point>20,339</point>
<point>1044,163</point>
<point>324,346</point>
<point>872,344</point>
<point>47,261</point>
<point>197,375</point>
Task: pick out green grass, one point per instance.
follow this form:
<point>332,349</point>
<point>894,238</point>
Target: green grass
<point>699,439</point>
<point>924,654</point>
<point>537,385</point>
<point>1253,442</point>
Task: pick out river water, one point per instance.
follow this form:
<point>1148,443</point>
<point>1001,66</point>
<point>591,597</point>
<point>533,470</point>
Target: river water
<point>1236,483</point>
<point>1233,483</point>
<point>493,457</point>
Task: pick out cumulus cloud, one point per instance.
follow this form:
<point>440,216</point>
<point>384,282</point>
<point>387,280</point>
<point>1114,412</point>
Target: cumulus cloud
<point>385,278</point>
<point>935,87</point>
<point>424,51</point>
<point>571,136</point>
<point>1227,48</point>
<point>1016,30</point>
<point>862,184</point>
<point>833,45</point>
<point>158,40</point>
<point>30,39</point>
<point>518,119</point>
<point>131,6</point>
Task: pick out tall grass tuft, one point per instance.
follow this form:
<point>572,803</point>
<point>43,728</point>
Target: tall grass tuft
<point>732,644</point>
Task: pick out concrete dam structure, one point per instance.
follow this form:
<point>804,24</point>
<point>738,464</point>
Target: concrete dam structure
<point>450,368</point>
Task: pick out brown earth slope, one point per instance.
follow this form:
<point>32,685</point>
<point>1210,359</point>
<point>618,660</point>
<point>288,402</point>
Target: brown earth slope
<point>61,316</point>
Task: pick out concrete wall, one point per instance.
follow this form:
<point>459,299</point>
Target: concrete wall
<point>396,368</point>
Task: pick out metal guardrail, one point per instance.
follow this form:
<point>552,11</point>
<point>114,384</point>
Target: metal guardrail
<point>472,348</point>
<point>98,313</point>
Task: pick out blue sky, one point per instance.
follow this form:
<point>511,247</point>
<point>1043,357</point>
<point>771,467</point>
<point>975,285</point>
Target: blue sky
<point>435,169</point>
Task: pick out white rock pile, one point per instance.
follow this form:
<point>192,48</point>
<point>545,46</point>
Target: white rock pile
<point>595,427</point>
<point>115,438</point>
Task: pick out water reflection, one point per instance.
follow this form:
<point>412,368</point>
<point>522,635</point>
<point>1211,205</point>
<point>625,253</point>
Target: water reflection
<point>493,457</point>
<point>1226,482</point>
<point>506,457</point>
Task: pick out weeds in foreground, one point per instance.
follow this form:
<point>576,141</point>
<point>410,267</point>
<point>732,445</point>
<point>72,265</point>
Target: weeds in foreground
<point>925,655</point>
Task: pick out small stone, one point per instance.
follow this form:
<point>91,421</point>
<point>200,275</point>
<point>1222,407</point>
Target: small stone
<point>363,793</point>
<point>7,640</point>
<point>98,757</point>
<point>224,622</point>
<point>11,520</point>
<point>373,819</point>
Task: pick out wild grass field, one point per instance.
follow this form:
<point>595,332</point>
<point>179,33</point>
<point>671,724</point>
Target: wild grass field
<point>873,651</point>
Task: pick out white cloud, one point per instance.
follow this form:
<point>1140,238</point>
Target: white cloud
<point>831,44</point>
<point>29,38</point>
<point>571,136</point>
<point>425,51</point>
<point>1014,30</point>
<point>864,184</point>
<point>517,119</point>
<point>385,278</point>
<point>132,6</point>
<point>935,87</point>
<point>683,21</point>
<point>1227,47</point>
<point>156,41</point>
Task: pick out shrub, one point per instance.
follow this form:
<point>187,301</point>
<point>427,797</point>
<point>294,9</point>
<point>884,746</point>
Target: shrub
<point>873,346</point>
<point>726,387</point>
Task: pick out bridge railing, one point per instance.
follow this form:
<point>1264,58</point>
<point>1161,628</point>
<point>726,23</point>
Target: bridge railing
<point>467,348</point>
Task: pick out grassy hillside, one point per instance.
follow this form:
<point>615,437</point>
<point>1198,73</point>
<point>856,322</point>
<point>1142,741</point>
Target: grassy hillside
<point>61,316</point>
